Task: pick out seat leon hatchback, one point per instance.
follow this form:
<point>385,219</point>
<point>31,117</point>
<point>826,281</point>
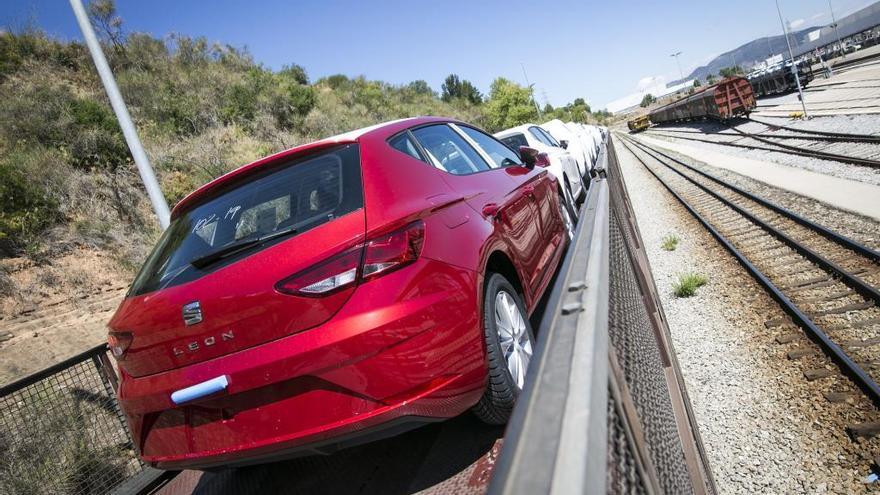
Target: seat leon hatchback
<point>337,292</point>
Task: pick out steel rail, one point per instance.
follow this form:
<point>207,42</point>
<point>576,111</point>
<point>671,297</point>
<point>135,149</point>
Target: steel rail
<point>791,150</point>
<point>829,234</point>
<point>810,137</point>
<point>869,138</point>
<point>848,278</point>
<point>846,364</point>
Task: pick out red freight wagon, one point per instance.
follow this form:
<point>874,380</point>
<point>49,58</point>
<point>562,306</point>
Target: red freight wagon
<point>729,98</point>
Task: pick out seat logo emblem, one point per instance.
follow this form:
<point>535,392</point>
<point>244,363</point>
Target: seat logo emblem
<point>192,313</point>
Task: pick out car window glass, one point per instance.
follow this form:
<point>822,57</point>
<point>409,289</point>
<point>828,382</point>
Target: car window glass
<point>553,141</point>
<point>534,131</point>
<point>405,144</point>
<point>300,195</point>
<point>500,154</point>
<point>515,141</point>
<point>448,151</point>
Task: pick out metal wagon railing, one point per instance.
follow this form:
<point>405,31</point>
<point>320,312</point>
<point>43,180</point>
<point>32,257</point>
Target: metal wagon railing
<point>62,432</point>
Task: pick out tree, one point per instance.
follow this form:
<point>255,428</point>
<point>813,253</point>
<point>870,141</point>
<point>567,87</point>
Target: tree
<point>420,87</point>
<point>455,88</point>
<point>295,72</point>
<point>647,100</point>
<point>578,110</point>
<point>697,83</point>
<point>548,109</point>
<point>103,14</point>
<point>509,105</point>
<point>710,79</point>
<point>731,71</point>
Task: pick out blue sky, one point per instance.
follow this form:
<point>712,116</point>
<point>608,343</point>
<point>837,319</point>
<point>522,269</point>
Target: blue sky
<point>596,50</point>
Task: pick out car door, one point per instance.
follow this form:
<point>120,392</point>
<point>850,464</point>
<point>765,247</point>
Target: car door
<point>527,220</point>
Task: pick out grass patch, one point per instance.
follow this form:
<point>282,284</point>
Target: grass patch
<point>688,283</point>
<point>670,242</point>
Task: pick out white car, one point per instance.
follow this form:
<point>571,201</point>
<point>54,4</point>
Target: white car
<point>562,165</point>
<point>573,143</point>
<point>588,140</point>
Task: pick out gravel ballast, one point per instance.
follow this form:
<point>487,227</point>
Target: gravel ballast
<point>860,228</point>
<point>766,429</point>
<point>835,169</point>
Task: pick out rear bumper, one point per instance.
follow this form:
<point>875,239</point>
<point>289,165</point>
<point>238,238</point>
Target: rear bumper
<point>407,345</point>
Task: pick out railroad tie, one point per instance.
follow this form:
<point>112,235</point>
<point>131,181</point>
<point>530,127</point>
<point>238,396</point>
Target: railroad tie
<point>845,308</point>
<point>869,429</point>
<point>862,343</point>
<point>828,297</point>
<point>837,397</point>
<point>801,352</point>
<point>818,373</point>
<point>788,338</point>
<point>807,283</point>
<point>867,322</point>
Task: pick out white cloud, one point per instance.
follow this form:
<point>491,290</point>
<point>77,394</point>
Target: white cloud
<point>648,82</point>
<point>817,15</point>
<point>796,23</point>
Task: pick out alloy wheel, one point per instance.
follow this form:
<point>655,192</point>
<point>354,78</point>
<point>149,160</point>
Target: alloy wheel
<point>516,343</point>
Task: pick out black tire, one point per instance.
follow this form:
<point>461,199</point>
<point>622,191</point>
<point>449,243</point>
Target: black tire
<point>502,390</point>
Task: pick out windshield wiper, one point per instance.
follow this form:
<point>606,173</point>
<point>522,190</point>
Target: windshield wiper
<point>235,248</point>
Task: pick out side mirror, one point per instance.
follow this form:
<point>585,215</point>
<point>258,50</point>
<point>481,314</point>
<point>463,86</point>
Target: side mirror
<point>529,156</point>
<point>564,144</point>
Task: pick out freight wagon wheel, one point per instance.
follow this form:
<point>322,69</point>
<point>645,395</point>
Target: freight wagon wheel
<point>509,347</point>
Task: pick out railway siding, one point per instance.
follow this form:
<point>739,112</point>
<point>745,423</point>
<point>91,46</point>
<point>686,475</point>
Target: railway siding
<point>766,427</point>
<point>792,269</point>
<point>845,193</point>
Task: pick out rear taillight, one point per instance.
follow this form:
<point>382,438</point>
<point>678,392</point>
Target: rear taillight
<point>376,257</point>
<point>119,343</point>
<point>392,251</point>
<point>325,278</point>
<point>542,160</point>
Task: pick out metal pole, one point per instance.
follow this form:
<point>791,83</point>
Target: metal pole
<point>797,77</point>
<point>128,129</point>
<point>837,31</point>
<point>531,91</point>
<point>677,63</point>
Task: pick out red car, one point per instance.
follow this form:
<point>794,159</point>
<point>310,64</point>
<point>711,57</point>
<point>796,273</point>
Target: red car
<point>337,292</point>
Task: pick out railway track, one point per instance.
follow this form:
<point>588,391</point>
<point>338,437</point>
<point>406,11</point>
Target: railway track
<point>825,282</point>
<point>813,144</point>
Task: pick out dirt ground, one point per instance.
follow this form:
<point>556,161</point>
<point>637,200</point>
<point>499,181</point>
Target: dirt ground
<point>56,309</point>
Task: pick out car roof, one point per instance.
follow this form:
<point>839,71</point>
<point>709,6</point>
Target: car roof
<point>210,189</point>
<point>513,130</point>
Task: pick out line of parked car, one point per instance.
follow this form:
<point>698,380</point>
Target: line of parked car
<point>347,290</point>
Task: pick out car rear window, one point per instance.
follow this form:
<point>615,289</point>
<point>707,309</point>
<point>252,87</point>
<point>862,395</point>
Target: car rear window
<point>299,195</point>
<point>515,141</point>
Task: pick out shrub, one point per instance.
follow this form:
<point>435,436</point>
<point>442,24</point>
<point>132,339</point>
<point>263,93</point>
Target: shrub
<point>27,208</point>
<point>7,285</point>
<point>688,283</point>
<point>670,242</point>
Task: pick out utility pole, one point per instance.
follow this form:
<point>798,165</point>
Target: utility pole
<point>531,91</point>
<point>118,104</point>
<point>680,73</point>
<point>794,69</point>
<point>836,31</point>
